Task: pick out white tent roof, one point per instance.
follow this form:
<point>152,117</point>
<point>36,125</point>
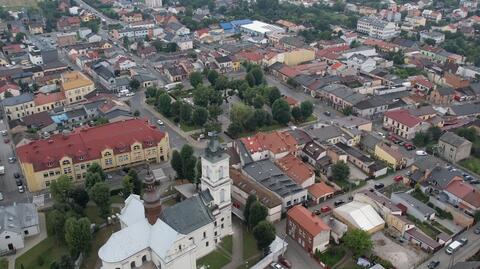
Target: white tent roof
<point>133,211</point>
<point>360,215</point>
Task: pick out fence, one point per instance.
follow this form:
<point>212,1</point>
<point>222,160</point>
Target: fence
<point>277,247</point>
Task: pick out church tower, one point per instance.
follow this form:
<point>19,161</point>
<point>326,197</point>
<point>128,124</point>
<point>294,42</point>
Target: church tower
<point>151,199</point>
<point>216,179</point>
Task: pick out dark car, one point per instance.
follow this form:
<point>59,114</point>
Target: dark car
<point>327,113</point>
<point>433,264</point>
<point>477,230</point>
<point>379,186</point>
<point>283,261</point>
<point>338,203</point>
<point>16,175</point>
<point>317,212</point>
<point>19,182</point>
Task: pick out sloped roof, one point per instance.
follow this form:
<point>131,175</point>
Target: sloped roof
<point>187,216</point>
<point>360,215</point>
<point>320,189</point>
<point>307,220</point>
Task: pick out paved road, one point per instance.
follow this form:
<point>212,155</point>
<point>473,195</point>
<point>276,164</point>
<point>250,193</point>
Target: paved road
<point>461,255</point>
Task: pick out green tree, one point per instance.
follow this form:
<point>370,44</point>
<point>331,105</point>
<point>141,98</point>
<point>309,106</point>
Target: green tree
<point>164,104</point>
<point>239,113</point>
<point>176,163</point>
<point>19,37</point>
<point>264,234</point>
<point>151,92</point>
<point>257,213</point>
<point>435,133</point>
<point>185,112</point>
<point>234,129</point>
<point>134,84</point>
<point>100,194</point>
<point>61,189</point>
<point>257,101</point>
<point>78,235</point>
<point>468,133</point>
<point>127,184</point>
<point>347,111</point>
<point>96,168</point>
<point>200,116</point>
<point>66,262</point>
<point>196,78</point>
<point>246,211</point>
<point>8,94</point>
<point>198,171</point>
<point>429,41</point>
<point>281,111</point>
<point>340,171</point>
<point>258,75</point>
<point>137,182</point>
<point>56,223</point>
<point>297,114</point>
<point>80,197</point>
<point>421,139</point>
<point>306,108</point>
<point>250,78</point>
<point>358,241</point>
<point>91,179</point>
<point>273,95</point>
<point>221,83</point>
<point>212,76</point>
<point>188,162</point>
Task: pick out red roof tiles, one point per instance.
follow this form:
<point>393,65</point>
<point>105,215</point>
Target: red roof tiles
<point>295,168</point>
<point>42,98</point>
<point>307,220</point>
<point>403,116</point>
<point>320,189</point>
<point>276,142</point>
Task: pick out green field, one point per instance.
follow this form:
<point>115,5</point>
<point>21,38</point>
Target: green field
<point>18,3</point>
<point>472,164</point>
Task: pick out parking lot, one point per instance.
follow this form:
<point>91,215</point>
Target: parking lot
<point>402,255</point>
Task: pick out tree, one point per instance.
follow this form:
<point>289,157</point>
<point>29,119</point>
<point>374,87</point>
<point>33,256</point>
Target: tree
<point>100,194</point>
<point>281,111</point>
<point>188,162</point>
<point>164,104</point>
<point>257,101</point>
<point>198,171</point>
<point>246,212</point>
<point>66,262</point>
<point>429,41</point>
<point>358,241</point>
<point>239,113</point>
<point>264,233</point>
<point>151,92</point>
<point>257,213</point>
<point>19,37</point>
<point>221,83</point>
<point>340,171</point>
<point>61,189</point>
<point>56,223</point>
<point>196,78</point>
<point>185,112</point>
<point>77,235</point>
<point>137,182</point>
<point>435,133</point>
<point>127,184</point>
<point>91,179</point>
<point>421,139</point>
<point>8,94</point>
<point>80,197</point>
<point>126,42</point>
<point>96,168</point>
<point>134,84</point>
<point>306,108</point>
<point>347,111</point>
<point>234,129</point>
<point>273,95</point>
<point>257,74</point>
<point>297,114</point>
<point>212,76</point>
<point>468,133</point>
<point>200,116</point>
<point>176,163</point>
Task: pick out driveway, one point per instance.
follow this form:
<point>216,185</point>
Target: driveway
<point>400,255</point>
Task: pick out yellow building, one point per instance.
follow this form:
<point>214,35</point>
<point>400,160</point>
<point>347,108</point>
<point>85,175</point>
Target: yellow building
<point>19,106</point>
<point>76,85</point>
<point>391,156</point>
<point>298,56</point>
<point>113,146</point>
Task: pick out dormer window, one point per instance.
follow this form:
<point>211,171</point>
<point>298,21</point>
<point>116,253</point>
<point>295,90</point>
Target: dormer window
<point>66,162</point>
<point>136,147</point>
<point>81,158</point>
<point>107,154</point>
<point>49,163</point>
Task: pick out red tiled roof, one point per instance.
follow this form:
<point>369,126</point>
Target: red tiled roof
<point>423,81</point>
<point>320,189</point>
<point>290,100</point>
<point>9,86</point>
<point>404,117</point>
<point>88,143</point>
<point>464,191</point>
<point>42,98</point>
<point>276,142</point>
<point>250,56</point>
<point>307,220</point>
<point>289,71</point>
<point>295,168</point>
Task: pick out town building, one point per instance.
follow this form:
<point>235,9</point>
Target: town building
<point>300,172</point>
<point>174,237</point>
<point>320,192</point>
<point>402,123</point>
<point>414,207</point>
<point>463,195</point>
<point>359,215</point>
<point>376,28</point>
<point>19,106</point>
<point>18,221</point>
<point>308,230</point>
<point>453,147</point>
<point>113,146</point>
<point>153,3</point>
<point>76,85</point>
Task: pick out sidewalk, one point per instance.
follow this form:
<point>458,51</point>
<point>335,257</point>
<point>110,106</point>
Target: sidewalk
<point>237,249</point>
<point>31,241</point>
<point>178,130</point>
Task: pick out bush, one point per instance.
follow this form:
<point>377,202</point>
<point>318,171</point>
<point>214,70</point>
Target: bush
<point>40,261</point>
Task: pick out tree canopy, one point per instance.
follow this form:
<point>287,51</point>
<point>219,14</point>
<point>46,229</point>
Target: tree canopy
<point>358,241</point>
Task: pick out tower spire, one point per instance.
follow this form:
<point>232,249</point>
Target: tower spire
<point>151,198</point>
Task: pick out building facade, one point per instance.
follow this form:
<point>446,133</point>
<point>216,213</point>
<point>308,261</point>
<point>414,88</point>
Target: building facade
<point>307,229</point>
<point>113,146</point>
<point>453,147</point>
<point>76,85</point>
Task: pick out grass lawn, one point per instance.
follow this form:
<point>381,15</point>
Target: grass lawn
<point>19,3</point>
<point>251,261</point>
<point>117,199</point>
<point>472,164</point>
<point>49,249</point>
<point>249,245</point>
<point>187,128</point>
<point>262,129</point>
<point>441,227</point>
<point>227,244</point>
<point>99,238</point>
<point>425,227</point>
<point>3,263</point>
<point>216,260</point>
<point>331,256</point>
<point>93,214</point>
<point>395,187</point>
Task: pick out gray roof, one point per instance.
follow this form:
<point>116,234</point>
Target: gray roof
<point>413,202</point>
<point>313,149</point>
<point>18,217</point>
<point>453,139</point>
<point>441,176</point>
<point>79,112</point>
<point>427,162</point>
<point>243,153</point>
<point>373,102</point>
<point>446,91</point>
<point>325,133</point>
<point>270,176</point>
<point>188,216</point>
<point>301,136</point>
<point>355,153</point>
<point>466,109</point>
<point>368,141</point>
<point>467,265</point>
<point>17,100</point>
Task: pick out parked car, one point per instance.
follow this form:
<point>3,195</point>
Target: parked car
<point>398,178</point>
<point>433,264</point>
<point>381,134</point>
<point>1,196</point>
<point>475,181</point>
<point>379,186</point>
<point>159,122</point>
<point>463,241</point>
<point>6,140</point>
<point>325,209</point>
<point>421,153</point>
<point>4,132</point>
<point>477,230</point>
<point>338,203</point>
<point>21,189</point>
<point>409,146</point>
<point>12,159</point>
<point>19,182</point>
<point>275,265</point>
<point>317,212</point>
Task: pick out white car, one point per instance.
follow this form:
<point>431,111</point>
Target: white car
<point>1,196</point>
<point>421,153</point>
<point>275,265</point>
<point>3,132</point>
<point>159,122</point>
<point>381,134</point>
<point>21,189</point>
<point>130,94</point>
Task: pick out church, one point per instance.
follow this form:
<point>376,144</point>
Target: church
<point>174,237</point>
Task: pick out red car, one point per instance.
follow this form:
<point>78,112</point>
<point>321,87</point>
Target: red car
<point>409,146</point>
<point>6,140</point>
<point>283,261</point>
<point>398,178</point>
<point>325,209</point>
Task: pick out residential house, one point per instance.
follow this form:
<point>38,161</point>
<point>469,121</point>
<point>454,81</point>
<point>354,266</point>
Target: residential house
<point>17,107</point>
<point>376,28</point>
<point>42,122</point>
<point>49,101</point>
<point>435,36</point>
<point>414,207</point>
<point>402,123</point>
<point>335,134</point>
<point>299,171</point>
<point>66,39</point>
<point>307,229</point>
<point>76,86</point>
<point>175,73</point>
<point>368,165</point>
<point>463,195</point>
<point>453,147</point>
<point>315,154</point>
<point>442,96</point>
<point>66,23</point>
<point>273,145</point>
<point>319,192</point>
<point>392,156</point>
<point>12,88</point>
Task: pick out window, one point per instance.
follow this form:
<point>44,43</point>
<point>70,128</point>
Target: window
<point>215,233</point>
<point>108,162</point>
<point>25,232</point>
<point>66,162</point>
<point>220,172</point>
<point>204,234</point>
<point>215,223</point>
<point>7,237</point>
<point>47,183</point>
<point>206,244</point>
<point>107,154</point>
<point>222,226</point>
<point>136,147</point>
<point>45,174</point>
